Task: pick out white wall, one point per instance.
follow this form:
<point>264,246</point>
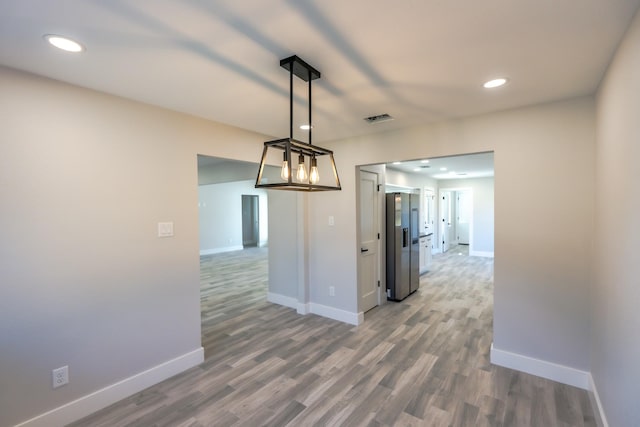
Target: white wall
<point>220,215</point>
<point>483,211</point>
<point>412,180</point>
<point>227,171</point>
<point>417,181</point>
<point>542,270</point>
<point>615,317</point>
<point>85,178</point>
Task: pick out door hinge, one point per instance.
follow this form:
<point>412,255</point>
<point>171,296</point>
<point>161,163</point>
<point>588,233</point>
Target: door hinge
<point>378,236</point>
<point>378,283</point>
<point>378,186</point>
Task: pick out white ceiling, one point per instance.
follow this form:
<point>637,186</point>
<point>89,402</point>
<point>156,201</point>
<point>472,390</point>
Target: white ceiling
<point>468,166</point>
<point>418,60</point>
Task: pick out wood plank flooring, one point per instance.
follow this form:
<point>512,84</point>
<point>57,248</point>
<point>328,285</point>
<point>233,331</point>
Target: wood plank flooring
<point>421,362</point>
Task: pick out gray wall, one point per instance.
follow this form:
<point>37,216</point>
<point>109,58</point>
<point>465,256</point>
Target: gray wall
<point>615,317</point>
<point>283,244</point>
<point>220,215</point>
<point>543,245</point>
<point>85,178</point>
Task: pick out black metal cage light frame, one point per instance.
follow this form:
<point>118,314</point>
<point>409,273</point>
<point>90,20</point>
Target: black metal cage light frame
<point>290,146</point>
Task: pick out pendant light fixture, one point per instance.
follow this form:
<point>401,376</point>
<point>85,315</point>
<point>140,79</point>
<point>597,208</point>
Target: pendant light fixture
<point>299,180</point>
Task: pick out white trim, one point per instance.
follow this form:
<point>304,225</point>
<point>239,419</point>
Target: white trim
<point>102,398</point>
<point>336,314</point>
<point>596,403</point>
<point>541,368</point>
<point>221,250</point>
<point>481,253</point>
<point>282,300</point>
<point>303,308</point>
<point>319,309</point>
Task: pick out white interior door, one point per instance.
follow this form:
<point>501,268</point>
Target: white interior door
<point>429,213</point>
<point>369,231</point>
<point>445,220</point>
<point>463,216</point>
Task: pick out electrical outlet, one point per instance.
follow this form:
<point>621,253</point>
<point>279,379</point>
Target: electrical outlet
<point>332,291</point>
<point>60,376</point>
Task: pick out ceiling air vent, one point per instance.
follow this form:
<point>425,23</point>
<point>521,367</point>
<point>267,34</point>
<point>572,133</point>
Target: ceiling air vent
<point>379,118</point>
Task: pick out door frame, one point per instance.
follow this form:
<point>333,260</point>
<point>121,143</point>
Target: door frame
<point>434,214</point>
<point>381,270</point>
<point>455,191</point>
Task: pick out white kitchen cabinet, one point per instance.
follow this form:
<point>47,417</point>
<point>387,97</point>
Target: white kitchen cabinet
<point>425,253</point>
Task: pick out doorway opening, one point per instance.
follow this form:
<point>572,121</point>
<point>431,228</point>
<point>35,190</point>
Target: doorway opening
<point>456,189</point>
<point>233,227</point>
<point>456,218</point>
<point>250,221</point>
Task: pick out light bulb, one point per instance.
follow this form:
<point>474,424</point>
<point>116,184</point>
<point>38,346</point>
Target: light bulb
<point>284,173</point>
<point>314,176</point>
<point>301,175</point>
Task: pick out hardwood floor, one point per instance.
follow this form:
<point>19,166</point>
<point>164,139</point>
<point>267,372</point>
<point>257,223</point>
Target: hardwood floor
<point>421,362</point>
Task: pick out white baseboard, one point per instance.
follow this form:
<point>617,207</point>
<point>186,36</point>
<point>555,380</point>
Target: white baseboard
<point>282,300</point>
<point>335,314</point>
<point>596,404</point>
<point>221,250</point>
<point>303,308</point>
<point>319,309</point>
<point>102,398</point>
<point>481,253</point>
<point>541,368</point>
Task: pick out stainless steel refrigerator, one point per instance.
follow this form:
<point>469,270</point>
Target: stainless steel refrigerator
<point>403,245</point>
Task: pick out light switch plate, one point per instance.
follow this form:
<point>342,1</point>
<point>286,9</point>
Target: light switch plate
<point>332,220</point>
<point>165,229</point>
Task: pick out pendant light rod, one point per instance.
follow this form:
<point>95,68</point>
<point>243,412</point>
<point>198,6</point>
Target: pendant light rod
<point>291,103</point>
<point>310,127</point>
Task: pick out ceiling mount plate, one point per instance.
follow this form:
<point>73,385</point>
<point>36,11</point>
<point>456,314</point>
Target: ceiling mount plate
<point>300,68</point>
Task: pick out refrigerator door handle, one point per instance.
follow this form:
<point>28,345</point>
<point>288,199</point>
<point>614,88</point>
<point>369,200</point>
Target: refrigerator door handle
<point>405,237</point>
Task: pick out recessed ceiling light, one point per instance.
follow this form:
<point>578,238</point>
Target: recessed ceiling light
<point>443,169</point>
<point>306,127</point>
<point>417,169</point>
<point>396,163</point>
<point>495,83</point>
<point>424,161</point>
<point>64,43</point>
